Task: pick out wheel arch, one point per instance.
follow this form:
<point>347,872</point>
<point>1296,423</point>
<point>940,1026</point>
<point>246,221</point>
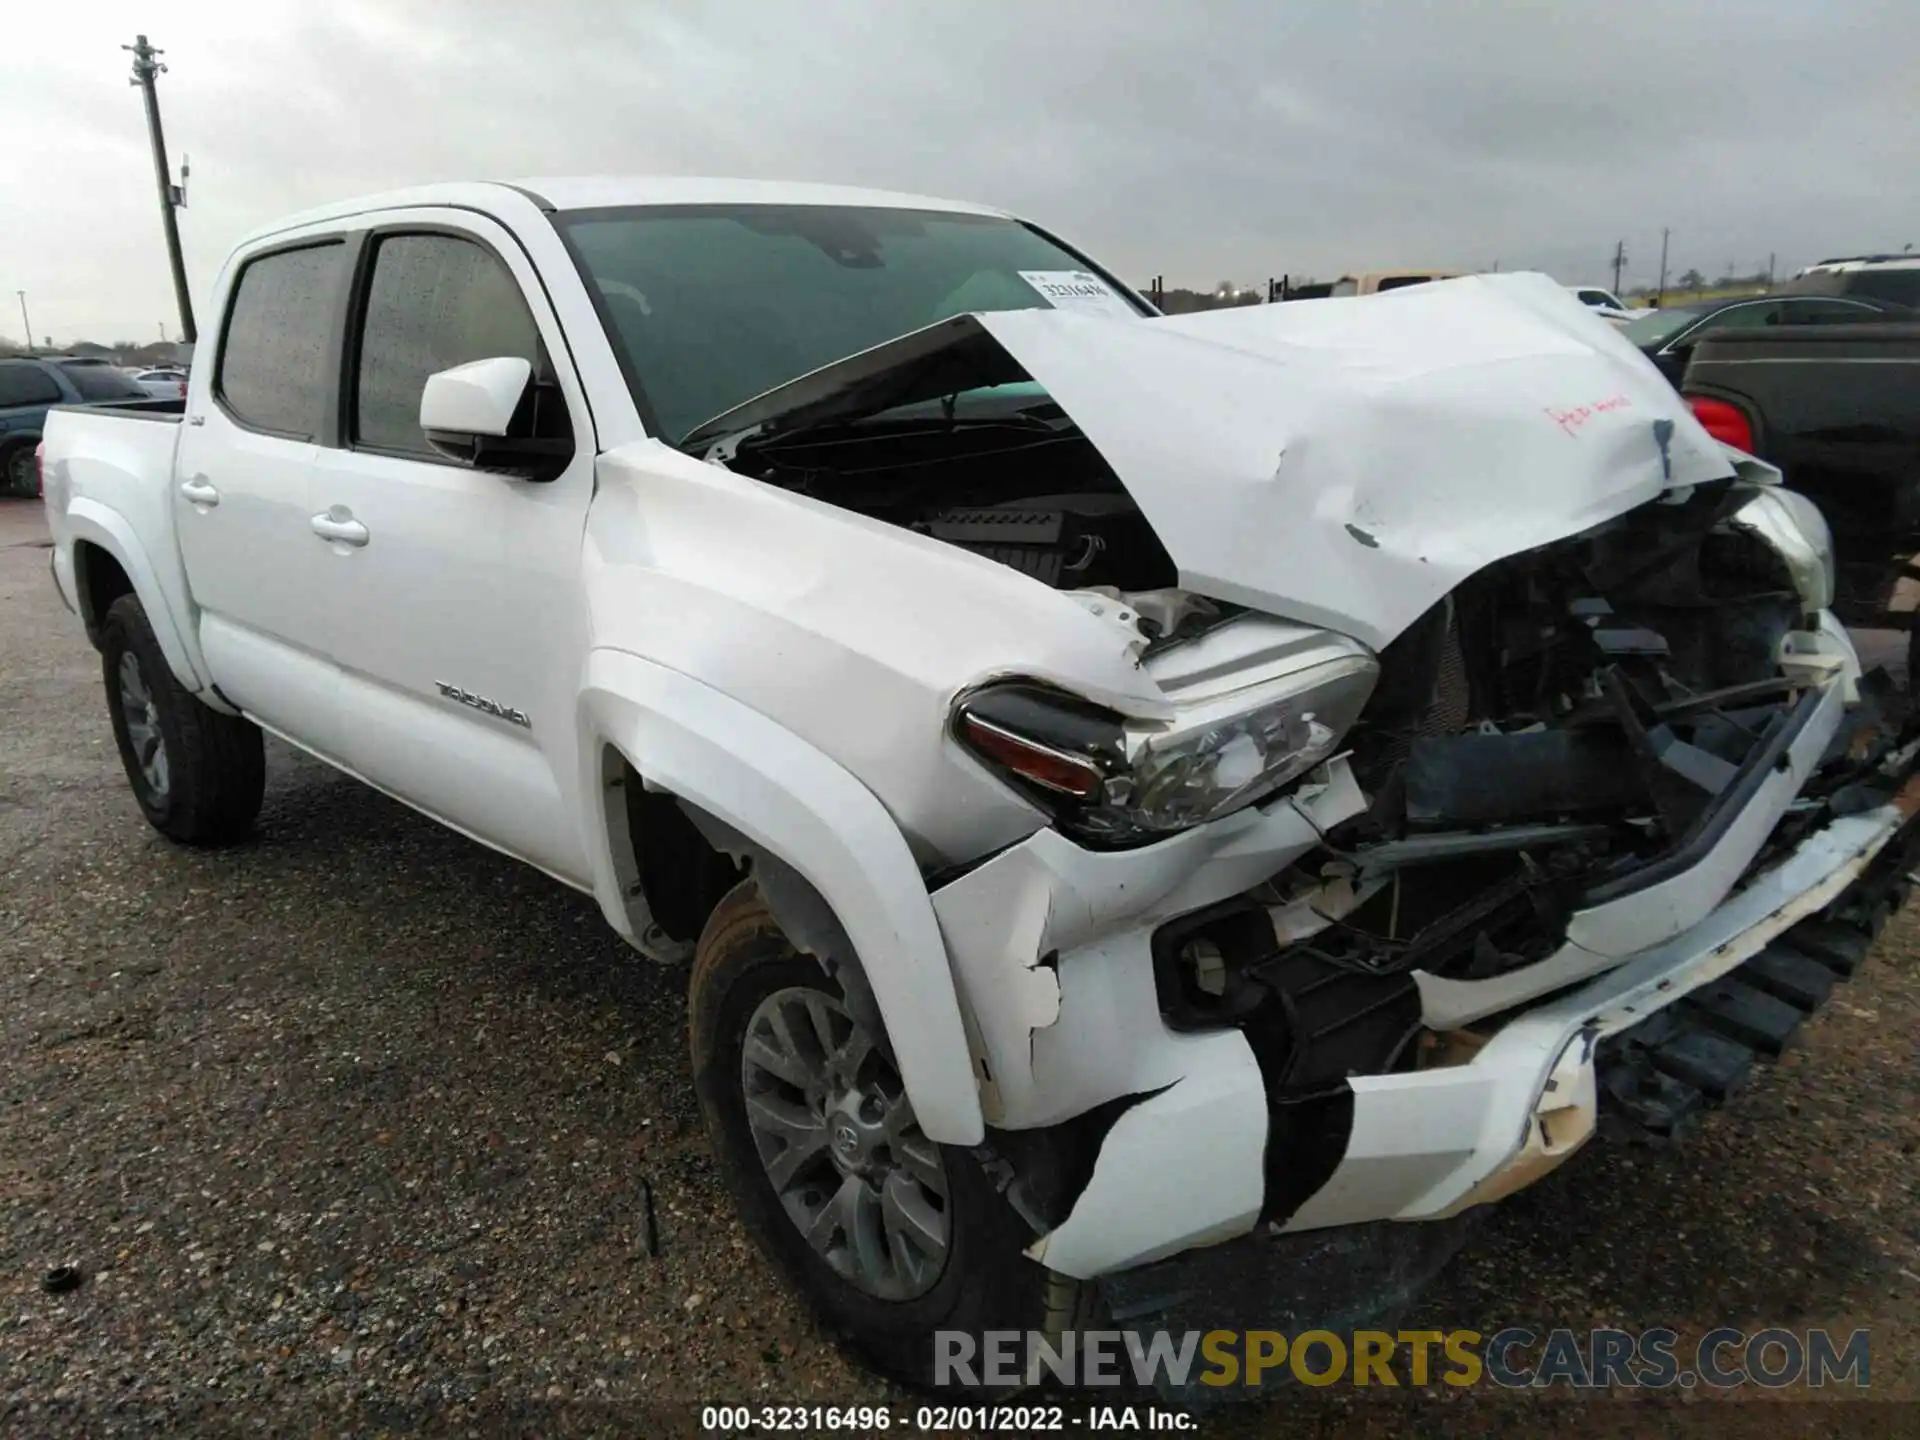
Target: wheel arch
<point>828,858</point>
<point>108,562</point>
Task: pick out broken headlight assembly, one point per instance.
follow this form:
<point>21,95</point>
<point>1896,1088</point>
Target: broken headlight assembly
<point>1110,781</point>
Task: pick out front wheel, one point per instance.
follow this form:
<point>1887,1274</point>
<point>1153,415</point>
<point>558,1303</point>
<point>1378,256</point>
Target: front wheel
<point>199,775</point>
<point>889,1236</point>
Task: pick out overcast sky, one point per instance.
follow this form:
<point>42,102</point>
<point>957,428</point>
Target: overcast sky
<point>1239,139</point>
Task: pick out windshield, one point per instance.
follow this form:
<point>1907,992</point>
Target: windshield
<point>1656,327</point>
<point>709,306</point>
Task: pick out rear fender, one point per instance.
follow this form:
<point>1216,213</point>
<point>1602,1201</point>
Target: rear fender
<point>789,801</point>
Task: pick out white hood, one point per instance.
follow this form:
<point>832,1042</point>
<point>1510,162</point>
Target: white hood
<point>1345,463</point>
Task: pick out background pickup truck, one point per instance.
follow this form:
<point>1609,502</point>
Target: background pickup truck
<point>1837,409</point>
<point>1152,804</point>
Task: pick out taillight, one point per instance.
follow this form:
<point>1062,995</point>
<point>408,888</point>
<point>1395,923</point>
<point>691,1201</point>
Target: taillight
<point>183,389</point>
<point>1724,422</point>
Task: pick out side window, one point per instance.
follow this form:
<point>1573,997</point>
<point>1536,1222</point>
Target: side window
<point>435,301</point>
<point>1737,317</point>
<point>1826,312</point>
<point>24,383</point>
<point>273,359</point>
<point>102,382</point>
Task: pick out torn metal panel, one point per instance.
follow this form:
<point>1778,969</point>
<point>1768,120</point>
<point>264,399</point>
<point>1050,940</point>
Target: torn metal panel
<point>1047,897</point>
<point>1180,1169</point>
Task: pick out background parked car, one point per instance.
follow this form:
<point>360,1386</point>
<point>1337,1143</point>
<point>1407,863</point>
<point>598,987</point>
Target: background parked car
<point>1835,407</point>
<point>1667,337</point>
<point>1603,302</point>
<point>28,388</point>
<point>161,384</point>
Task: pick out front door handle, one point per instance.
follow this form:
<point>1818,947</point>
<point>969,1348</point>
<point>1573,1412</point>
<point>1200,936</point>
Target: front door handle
<point>337,523</point>
<point>200,491</point>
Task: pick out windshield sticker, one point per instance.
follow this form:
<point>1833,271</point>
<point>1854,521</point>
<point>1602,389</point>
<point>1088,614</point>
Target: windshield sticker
<point>1079,290</point>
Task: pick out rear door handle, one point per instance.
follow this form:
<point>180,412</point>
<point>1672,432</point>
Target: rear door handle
<point>338,524</point>
<point>200,491</point>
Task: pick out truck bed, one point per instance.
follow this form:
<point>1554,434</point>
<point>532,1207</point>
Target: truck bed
<point>109,482</point>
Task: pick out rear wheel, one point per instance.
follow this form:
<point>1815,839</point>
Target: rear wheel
<point>199,775</point>
<point>889,1236</point>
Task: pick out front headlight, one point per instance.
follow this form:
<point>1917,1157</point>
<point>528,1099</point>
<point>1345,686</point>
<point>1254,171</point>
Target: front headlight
<point>1111,781</point>
<point>1792,526</point>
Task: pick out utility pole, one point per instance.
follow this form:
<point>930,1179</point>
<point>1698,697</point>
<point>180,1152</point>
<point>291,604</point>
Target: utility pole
<point>1663,265</point>
<point>24,320</point>
<point>1619,263</point>
<point>146,65</point>
<point>1770,256</point>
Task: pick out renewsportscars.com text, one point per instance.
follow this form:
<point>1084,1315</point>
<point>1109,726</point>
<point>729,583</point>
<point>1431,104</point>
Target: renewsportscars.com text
<point>1514,1357</point>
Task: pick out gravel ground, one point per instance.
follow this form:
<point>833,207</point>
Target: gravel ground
<point>360,1114</point>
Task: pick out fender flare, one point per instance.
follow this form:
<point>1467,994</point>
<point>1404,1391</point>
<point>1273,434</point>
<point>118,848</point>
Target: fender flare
<point>801,806</point>
<point>86,519</point>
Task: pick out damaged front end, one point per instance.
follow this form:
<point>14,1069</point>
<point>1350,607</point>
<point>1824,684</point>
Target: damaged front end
<point>1574,768</point>
<point>1495,726</point>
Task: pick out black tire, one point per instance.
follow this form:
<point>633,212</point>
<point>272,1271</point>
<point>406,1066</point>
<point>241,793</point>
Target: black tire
<point>215,768</point>
<point>18,474</point>
<point>986,1283</point>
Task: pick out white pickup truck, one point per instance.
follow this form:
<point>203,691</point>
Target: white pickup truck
<point>1144,799</point>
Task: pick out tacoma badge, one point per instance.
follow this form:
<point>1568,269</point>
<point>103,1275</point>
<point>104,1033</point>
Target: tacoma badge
<point>481,702</point>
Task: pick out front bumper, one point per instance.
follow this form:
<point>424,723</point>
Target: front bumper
<point>1190,1155</point>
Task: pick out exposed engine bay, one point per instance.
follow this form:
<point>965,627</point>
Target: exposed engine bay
<point>1024,488</point>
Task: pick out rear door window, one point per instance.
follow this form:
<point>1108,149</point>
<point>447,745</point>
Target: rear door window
<point>24,383</point>
<point>102,382</point>
<point>1737,317</point>
<point>435,301</point>
<point>273,360</point>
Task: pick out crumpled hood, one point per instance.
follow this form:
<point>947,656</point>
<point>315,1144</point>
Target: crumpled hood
<point>1346,462</point>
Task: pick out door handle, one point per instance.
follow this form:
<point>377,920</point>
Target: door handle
<point>200,491</point>
<point>337,523</point>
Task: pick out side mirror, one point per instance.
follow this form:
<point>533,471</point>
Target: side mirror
<point>482,414</point>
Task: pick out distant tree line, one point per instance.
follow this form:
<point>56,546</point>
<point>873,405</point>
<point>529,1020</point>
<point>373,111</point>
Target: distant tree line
<point>140,354</point>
